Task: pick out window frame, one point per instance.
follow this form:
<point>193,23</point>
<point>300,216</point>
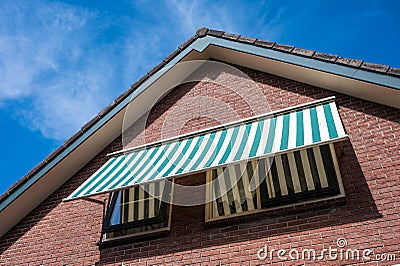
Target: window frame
<point>164,216</point>
<point>209,208</point>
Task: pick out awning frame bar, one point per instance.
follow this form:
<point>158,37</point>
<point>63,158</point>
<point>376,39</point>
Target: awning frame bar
<point>101,202</point>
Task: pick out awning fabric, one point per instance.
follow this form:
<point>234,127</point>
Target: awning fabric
<point>304,126</point>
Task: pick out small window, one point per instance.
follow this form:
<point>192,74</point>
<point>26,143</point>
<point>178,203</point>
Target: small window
<point>138,210</point>
<point>239,198</point>
<point>287,179</point>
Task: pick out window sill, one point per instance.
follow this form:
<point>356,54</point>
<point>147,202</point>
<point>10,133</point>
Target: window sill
<point>129,239</point>
<point>278,211</point>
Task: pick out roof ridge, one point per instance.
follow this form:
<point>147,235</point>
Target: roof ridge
<point>201,33</point>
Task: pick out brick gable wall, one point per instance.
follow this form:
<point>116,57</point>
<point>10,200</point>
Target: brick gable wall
<point>66,233</point>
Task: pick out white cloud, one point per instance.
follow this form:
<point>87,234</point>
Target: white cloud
<point>257,19</point>
<point>59,67</point>
<point>191,15</point>
<point>55,75</point>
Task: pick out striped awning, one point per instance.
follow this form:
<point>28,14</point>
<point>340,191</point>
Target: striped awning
<point>302,126</point>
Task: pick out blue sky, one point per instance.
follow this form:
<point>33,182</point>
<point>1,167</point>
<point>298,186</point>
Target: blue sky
<point>63,61</point>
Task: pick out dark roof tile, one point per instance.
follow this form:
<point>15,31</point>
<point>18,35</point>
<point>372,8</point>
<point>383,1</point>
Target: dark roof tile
<point>135,85</point>
<point>55,153</point>
<point>123,95</point>
<point>187,43</point>
<point>349,62</point>
<point>216,33</point>
<point>283,47</point>
<point>394,72</point>
<point>375,67</point>
<point>107,108</point>
<point>265,44</point>
<point>16,184</point>
<point>156,68</point>
<point>303,52</point>
<point>247,39</point>
<point>73,138</point>
<point>325,57</point>
<point>202,32</point>
<point>171,55</point>
<point>4,195</point>
<point>90,123</point>
<point>230,36</point>
<point>34,169</point>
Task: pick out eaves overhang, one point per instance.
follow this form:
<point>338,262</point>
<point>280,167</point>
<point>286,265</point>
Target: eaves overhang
<point>311,63</point>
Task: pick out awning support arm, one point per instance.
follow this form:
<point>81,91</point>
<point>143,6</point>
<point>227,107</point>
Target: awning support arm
<point>102,202</point>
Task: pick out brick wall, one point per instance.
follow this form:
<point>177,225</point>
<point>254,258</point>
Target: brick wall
<point>66,233</point>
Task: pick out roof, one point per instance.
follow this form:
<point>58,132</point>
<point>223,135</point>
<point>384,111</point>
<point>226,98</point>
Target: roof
<point>383,73</point>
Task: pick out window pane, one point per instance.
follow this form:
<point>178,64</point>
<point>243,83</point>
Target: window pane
<point>116,214</point>
<point>141,202</point>
<point>297,176</point>
<point>231,188</point>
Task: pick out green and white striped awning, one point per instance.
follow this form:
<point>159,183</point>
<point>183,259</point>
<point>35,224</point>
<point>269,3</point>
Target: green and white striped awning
<point>299,127</point>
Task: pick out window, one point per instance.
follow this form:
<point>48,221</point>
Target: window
<point>138,210</point>
<point>286,179</point>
